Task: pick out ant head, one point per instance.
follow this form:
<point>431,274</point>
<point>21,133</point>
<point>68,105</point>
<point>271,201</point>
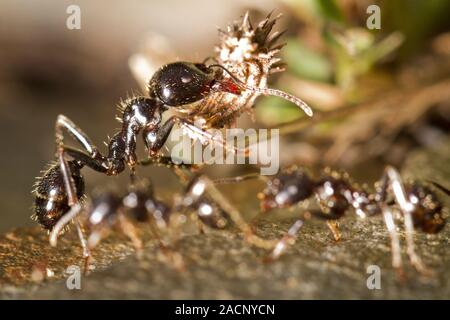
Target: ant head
<point>181,83</point>
<point>428,210</point>
<point>286,189</point>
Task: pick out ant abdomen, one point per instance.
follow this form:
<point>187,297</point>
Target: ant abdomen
<point>330,193</point>
<point>51,201</point>
<point>428,210</point>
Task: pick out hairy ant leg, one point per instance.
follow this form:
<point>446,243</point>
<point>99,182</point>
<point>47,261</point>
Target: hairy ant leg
<point>64,124</point>
<point>169,250</point>
<point>131,232</point>
<point>66,219</point>
<point>286,240</point>
<point>206,138</point>
<point>168,162</point>
<point>238,179</point>
<point>92,160</point>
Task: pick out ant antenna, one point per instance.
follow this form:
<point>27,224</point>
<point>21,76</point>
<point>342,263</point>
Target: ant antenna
<point>268,91</point>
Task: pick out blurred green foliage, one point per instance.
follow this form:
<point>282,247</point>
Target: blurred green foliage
<point>312,65</point>
<point>417,20</point>
<point>348,51</point>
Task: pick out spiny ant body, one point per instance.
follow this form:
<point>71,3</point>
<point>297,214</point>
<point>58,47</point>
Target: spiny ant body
<point>217,93</point>
<point>336,195</point>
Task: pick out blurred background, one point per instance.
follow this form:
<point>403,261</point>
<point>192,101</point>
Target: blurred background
<point>378,94</point>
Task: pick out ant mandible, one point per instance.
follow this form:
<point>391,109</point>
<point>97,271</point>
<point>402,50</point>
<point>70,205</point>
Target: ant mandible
<point>60,190</point>
<point>336,194</point>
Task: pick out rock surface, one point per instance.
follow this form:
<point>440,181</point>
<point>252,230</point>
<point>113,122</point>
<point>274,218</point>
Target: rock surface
<point>220,265</point>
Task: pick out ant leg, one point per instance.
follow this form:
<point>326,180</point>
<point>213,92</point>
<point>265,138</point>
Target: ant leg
<point>94,160</point>
<point>204,184</point>
<point>167,162</point>
<point>72,202</point>
<point>440,187</point>
<point>238,179</point>
<point>287,239</point>
<point>214,59</point>
<point>96,236</point>
<point>67,177</point>
<point>395,242</point>
<point>85,159</point>
<point>333,225</point>
<point>200,226</point>
<point>155,137</point>
<point>70,187</point>
<point>86,252</point>
<point>173,256</point>
<point>208,138</point>
<point>131,232</point>
<point>407,207</point>
<point>65,124</point>
<point>65,219</point>
<point>410,247</point>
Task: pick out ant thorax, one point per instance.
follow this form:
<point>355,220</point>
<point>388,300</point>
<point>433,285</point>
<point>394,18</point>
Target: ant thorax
<point>249,54</point>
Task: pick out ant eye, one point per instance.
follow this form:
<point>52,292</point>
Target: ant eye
<point>181,83</point>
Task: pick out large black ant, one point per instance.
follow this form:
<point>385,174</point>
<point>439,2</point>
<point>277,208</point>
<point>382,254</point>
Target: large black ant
<point>336,194</point>
<point>218,93</point>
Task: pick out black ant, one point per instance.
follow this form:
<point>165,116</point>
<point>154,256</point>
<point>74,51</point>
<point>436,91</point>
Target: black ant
<point>216,91</point>
<point>336,194</point>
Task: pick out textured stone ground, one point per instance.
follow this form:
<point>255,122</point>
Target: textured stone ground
<point>222,265</point>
